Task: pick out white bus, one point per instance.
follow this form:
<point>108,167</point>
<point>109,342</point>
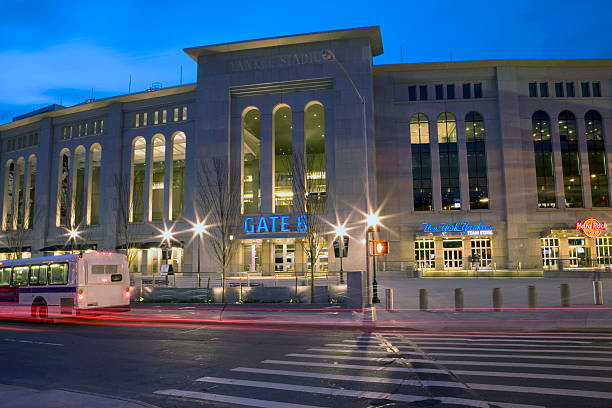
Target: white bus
<point>65,284</point>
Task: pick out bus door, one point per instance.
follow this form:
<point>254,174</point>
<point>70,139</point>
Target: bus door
<point>8,293</point>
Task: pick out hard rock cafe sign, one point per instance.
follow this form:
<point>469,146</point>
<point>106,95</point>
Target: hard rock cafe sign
<point>591,227</point>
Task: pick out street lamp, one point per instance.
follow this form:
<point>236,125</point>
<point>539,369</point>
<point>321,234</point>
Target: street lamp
<point>328,55</point>
<point>373,222</point>
<point>73,234</point>
<point>340,232</point>
<point>199,229</point>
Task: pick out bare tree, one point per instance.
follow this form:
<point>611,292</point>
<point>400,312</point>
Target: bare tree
<point>310,206</point>
<point>124,204</point>
<point>217,201</point>
<point>17,237</point>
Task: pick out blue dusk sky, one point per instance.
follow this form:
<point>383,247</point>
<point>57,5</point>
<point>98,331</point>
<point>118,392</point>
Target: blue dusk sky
<point>65,52</point>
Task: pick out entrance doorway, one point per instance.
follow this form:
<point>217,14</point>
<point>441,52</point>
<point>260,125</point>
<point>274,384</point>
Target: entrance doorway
<point>453,254</point>
<point>579,254</point>
<point>251,257</point>
<point>284,257</point>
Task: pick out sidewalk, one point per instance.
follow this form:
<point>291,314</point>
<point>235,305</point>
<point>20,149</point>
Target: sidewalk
<point>20,397</point>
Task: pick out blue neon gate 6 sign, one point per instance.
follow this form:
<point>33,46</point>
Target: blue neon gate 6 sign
<point>273,223</point>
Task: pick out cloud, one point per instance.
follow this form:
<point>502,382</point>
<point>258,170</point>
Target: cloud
<point>38,77</point>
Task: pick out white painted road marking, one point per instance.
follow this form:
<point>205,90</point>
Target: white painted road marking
<point>469,339</point>
<point>480,342</point>
<point>249,402</point>
<point>42,343</point>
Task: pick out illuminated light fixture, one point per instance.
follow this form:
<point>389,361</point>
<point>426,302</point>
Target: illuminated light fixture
<point>484,200</point>
<point>340,230</point>
<point>373,219</point>
<point>199,228</point>
<point>73,233</point>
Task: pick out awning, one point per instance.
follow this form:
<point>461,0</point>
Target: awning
<point>150,244</point>
<point>69,247</point>
<point>13,250</point>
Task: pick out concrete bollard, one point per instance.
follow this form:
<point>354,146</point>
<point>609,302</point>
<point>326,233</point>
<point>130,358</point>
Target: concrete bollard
<point>497,300</point>
<point>459,299</point>
<point>389,298</point>
<point>532,297</point>
<point>565,295</point>
<point>598,292</point>
<point>423,299</point>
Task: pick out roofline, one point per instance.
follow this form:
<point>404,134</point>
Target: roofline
<point>592,63</point>
<point>372,33</point>
<point>101,103</point>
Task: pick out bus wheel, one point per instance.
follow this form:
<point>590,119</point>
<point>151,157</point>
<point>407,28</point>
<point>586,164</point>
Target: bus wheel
<point>39,310</point>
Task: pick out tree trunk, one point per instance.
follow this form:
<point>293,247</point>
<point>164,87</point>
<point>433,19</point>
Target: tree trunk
<point>312,282</point>
<point>223,284</point>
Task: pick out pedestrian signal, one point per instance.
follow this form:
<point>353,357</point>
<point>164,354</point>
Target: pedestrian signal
<point>381,247</point>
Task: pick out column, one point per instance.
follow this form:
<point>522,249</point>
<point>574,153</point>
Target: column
<point>557,161</point>
<point>585,173</point>
<point>464,179</point>
<point>266,166</point>
<point>435,164</point>
<point>439,249</point>
<point>168,180</point>
<point>148,177</point>
<point>86,183</point>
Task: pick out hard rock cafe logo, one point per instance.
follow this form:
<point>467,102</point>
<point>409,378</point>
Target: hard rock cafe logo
<point>592,227</point>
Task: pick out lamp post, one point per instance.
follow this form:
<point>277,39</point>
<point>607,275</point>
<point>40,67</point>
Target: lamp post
<point>373,222</point>
<point>328,55</point>
<point>199,228</point>
<point>340,232</point>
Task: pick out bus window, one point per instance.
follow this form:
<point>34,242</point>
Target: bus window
<point>38,275</point>
<point>20,275</point>
<point>5,276</point>
<point>58,274</point>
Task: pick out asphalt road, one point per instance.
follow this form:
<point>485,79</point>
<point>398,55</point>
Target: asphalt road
<point>203,367</point>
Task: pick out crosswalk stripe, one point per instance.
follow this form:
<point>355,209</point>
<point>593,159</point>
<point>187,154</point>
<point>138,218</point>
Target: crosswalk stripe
<point>356,393</point>
<point>455,362</point>
<point>492,336</point>
<point>426,343</point>
<point>471,340</point>
<point>466,355</point>
<point>505,374</point>
<point>250,402</point>
<point>426,347</point>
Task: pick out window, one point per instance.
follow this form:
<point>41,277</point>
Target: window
<point>139,153</point>
<point>412,93</point>
<point>544,89</point>
<point>316,176</point>
<point>450,91</point>
<point>33,139</point>
<point>478,90</point>
<point>31,193</point>
<point>283,168</point>
<point>184,113</point>
<point>439,92</point>
<point>477,161</point>
<point>95,167</point>
<point>78,188</point>
<point>158,174</point>
<point>164,116</point>
<point>481,252</point>
<point>145,119</point>
<point>569,87</point>
<point>58,274</point>
<point>137,120</point>
<point>19,194</point>
<point>179,144</point>
<point>21,275</point>
<point>559,89</point>
<point>550,251</point>
<point>449,162</point>
<point>421,162</point>
<point>94,127</point>
<point>570,157</point>
<point>423,92</point>
<point>545,172</point>
<point>38,275</point>
<point>467,91</point>
<point>598,165</point>
<point>596,90</point>
<point>604,250</point>
<point>424,254</point>
<point>586,90</point>
<point>156,117</point>
<point>533,89</point>
<point>251,146</point>
<point>175,114</point>
<point>63,189</point>
<point>8,195</point>
<point>5,276</point>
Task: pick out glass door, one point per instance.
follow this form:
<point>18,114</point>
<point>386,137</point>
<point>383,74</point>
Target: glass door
<point>453,254</point>
<point>284,257</point>
<point>251,257</point>
<point>579,254</point>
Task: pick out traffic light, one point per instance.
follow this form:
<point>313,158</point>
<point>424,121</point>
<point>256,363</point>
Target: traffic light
<point>381,248</point>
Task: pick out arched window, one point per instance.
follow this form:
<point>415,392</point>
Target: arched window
<point>545,171</point>
<point>251,156</point>
<point>570,155</point>
<point>179,143</point>
<point>477,161</point>
<point>283,167</point>
<point>158,173</point>
<point>63,188</point>
<point>31,214</point>
<point>78,188</point>
<point>449,162</point>
<point>95,168</point>
<point>8,195</point>
<point>139,155</point>
<point>598,166</point>
<point>421,162</point>
<point>20,194</point>
<point>314,141</point>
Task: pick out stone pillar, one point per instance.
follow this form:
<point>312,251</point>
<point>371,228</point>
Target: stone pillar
<point>435,165</point>
<point>584,163</point>
<point>266,166</point>
<point>464,179</point>
<point>557,161</point>
<point>439,248</point>
<point>148,179</point>
<point>564,251</point>
<point>167,214</point>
